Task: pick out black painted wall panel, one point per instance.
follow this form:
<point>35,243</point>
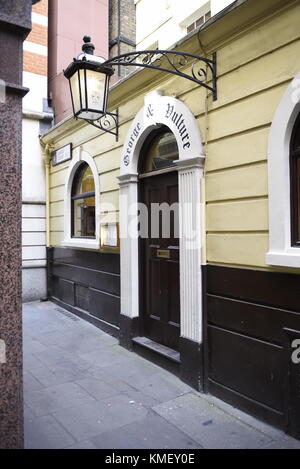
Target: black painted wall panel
<point>64,290</point>
<point>104,281</point>
<point>251,367</point>
<point>89,259</point>
<point>105,307</point>
<point>266,288</point>
<point>248,352</point>
<point>250,318</point>
<point>86,280</point>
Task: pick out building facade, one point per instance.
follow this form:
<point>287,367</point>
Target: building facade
<point>218,303</point>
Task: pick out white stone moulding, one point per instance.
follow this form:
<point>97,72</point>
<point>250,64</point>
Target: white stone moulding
<point>80,156</point>
<point>281,252</point>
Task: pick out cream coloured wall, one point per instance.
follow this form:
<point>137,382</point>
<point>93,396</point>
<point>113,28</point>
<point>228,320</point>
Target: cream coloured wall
<point>235,130</point>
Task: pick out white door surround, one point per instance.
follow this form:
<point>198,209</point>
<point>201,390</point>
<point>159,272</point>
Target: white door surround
<point>173,113</point>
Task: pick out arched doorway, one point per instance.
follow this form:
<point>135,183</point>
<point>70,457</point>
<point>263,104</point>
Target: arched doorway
<point>165,112</point>
<point>159,247</point>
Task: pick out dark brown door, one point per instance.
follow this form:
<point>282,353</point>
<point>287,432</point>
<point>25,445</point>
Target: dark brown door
<point>159,262</point>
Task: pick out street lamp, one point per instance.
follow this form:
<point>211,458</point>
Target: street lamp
<point>89,77</point>
<point>89,84</point>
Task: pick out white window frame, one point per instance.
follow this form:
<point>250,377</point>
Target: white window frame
<point>79,157</point>
<point>281,252</point>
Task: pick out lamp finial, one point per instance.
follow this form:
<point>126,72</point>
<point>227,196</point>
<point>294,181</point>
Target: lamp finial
<point>88,47</point>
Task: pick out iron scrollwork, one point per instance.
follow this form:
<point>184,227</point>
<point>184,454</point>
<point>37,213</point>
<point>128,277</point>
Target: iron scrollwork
<point>200,70</point>
<point>108,123</point>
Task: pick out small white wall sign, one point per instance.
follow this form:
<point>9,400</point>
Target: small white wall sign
<point>62,154</point>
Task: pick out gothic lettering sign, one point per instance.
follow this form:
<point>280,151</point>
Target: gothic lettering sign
<point>179,121</point>
<point>132,139</point>
<point>163,110</point>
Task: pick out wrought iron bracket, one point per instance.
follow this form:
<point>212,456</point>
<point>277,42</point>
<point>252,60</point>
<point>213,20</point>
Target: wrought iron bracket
<point>108,123</point>
<point>200,70</point>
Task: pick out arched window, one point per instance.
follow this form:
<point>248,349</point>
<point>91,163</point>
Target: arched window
<point>284,180</point>
<point>83,203</point>
<point>161,151</point>
<point>295,183</point>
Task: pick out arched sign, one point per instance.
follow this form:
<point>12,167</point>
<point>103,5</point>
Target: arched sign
<point>162,110</point>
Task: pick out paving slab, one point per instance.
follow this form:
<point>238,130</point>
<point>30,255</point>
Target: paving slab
<point>31,384</point>
<point>83,445</point>
<point>55,398</point>
<point>46,433</point>
<point>86,421</point>
<point>148,433</point>
<point>97,388</point>
<point>59,373</point>
<point>211,428</point>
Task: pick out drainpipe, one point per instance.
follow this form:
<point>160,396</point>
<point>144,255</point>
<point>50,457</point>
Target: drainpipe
<point>47,149</point>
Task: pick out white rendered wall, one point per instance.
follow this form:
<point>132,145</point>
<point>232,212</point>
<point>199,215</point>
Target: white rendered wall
<point>218,5</point>
<point>37,85</point>
<point>33,191</point>
<point>165,21</point>
<point>160,23</point>
<point>33,172</point>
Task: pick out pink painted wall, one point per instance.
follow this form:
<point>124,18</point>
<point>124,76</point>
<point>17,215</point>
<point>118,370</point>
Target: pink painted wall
<point>69,21</point>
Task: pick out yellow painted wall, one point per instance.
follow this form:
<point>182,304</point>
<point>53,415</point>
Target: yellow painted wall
<point>255,66</point>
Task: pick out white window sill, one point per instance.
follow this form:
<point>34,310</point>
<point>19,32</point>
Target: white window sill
<point>288,258</point>
<point>81,243</point>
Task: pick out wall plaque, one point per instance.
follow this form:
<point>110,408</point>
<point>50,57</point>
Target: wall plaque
<point>62,154</point>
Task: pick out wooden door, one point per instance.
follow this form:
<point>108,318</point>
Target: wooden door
<point>159,263</point>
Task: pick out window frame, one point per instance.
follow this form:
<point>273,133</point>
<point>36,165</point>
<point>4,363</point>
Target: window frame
<point>281,251</point>
<point>295,206</point>
<point>80,196</point>
<point>80,157</point>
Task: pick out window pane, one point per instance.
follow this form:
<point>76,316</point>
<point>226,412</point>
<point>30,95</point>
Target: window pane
<point>83,203</point>
<point>297,212</point>
<point>295,146</point>
<point>162,153</point>
<point>84,217</point>
<point>85,182</point>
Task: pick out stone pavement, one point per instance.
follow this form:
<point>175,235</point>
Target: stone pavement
<point>82,390</point>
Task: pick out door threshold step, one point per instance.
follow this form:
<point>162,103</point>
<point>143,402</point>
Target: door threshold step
<point>162,350</point>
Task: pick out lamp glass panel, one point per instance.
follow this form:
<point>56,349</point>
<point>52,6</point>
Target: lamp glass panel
<point>74,82</point>
<point>95,95</point>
